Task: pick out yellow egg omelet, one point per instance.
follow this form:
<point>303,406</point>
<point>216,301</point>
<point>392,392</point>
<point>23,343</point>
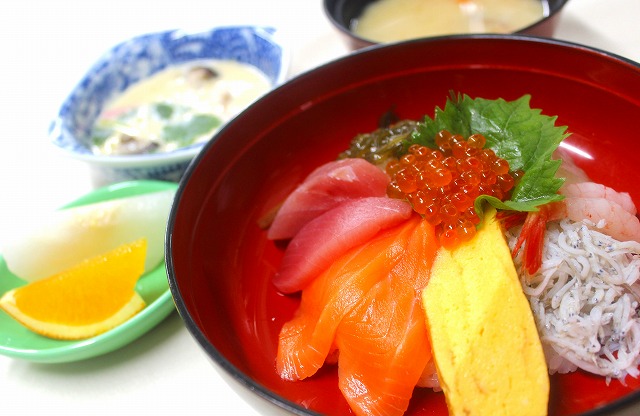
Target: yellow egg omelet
<point>485,344</point>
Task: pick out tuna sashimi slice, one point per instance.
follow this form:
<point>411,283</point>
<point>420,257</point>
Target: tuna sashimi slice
<point>383,342</point>
<point>307,339</point>
<point>325,188</point>
<point>321,241</point>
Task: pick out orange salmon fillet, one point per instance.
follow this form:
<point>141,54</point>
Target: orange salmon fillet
<point>307,339</point>
<point>383,342</point>
<point>368,306</point>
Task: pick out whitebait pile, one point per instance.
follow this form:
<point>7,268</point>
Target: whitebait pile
<point>585,300</point>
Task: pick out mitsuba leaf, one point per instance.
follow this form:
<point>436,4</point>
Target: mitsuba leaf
<point>164,110</point>
<point>517,133</point>
<point>186,132</point>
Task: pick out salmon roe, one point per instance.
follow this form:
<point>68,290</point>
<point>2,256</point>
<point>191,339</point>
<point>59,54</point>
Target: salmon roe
<point>442,184</point>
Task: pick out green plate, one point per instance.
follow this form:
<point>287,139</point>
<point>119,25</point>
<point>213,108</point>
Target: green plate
<point>19,342</point>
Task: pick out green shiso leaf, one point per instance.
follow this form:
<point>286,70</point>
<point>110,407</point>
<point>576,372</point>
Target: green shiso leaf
<point>517,133</point>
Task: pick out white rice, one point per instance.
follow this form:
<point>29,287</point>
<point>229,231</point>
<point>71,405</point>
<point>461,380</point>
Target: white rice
<point>585,300</point>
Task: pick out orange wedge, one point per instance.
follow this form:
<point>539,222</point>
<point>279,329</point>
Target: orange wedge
<point>86,300</point>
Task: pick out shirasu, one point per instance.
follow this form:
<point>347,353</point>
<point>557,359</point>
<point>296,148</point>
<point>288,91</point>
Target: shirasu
<point>585,300</point>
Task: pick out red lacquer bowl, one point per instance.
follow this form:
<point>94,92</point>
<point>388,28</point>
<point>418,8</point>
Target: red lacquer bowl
<point>220,262</point>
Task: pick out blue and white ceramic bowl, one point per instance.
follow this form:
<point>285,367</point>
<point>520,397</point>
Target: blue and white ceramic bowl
<point>141,57</point>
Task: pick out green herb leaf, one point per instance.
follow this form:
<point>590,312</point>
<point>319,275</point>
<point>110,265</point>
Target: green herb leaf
<point>99,135</point>
<point>516,132</point>
<point>185,133</point>
<point>164,110</point>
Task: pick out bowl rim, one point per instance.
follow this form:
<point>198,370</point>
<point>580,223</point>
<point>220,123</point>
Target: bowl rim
<point>55,130</point>
<point>345,31</point>
<point>213,353</point>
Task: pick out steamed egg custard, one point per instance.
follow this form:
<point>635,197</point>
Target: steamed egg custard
<point>177,107</point>
<point>397,20</point>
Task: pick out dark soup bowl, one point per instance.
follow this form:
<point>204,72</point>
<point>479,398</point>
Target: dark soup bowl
<point>220,262</point>
<point>344,15</point>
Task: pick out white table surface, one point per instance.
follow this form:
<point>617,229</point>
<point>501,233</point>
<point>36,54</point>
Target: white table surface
<point>46,46</point>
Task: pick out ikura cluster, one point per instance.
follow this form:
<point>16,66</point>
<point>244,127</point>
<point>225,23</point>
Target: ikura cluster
<point>442,184</point>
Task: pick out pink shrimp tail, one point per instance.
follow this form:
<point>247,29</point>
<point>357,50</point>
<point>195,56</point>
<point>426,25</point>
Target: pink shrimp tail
<point>531,238</point>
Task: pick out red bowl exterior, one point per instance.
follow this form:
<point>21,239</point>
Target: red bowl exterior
<point>341,12</point>
<point>219,260</point>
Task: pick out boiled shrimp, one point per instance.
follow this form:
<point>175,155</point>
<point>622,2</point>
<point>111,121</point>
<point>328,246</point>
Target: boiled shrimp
<point>608,211</point>
<point>596,190</point>
<point>606,215</point>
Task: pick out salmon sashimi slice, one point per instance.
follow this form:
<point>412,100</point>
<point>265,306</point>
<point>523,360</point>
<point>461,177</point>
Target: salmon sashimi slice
<point>383,342</point>
<point>321,241</point>
<point>367,306</point>
<point>325,188</point>
<point>307,339</point>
